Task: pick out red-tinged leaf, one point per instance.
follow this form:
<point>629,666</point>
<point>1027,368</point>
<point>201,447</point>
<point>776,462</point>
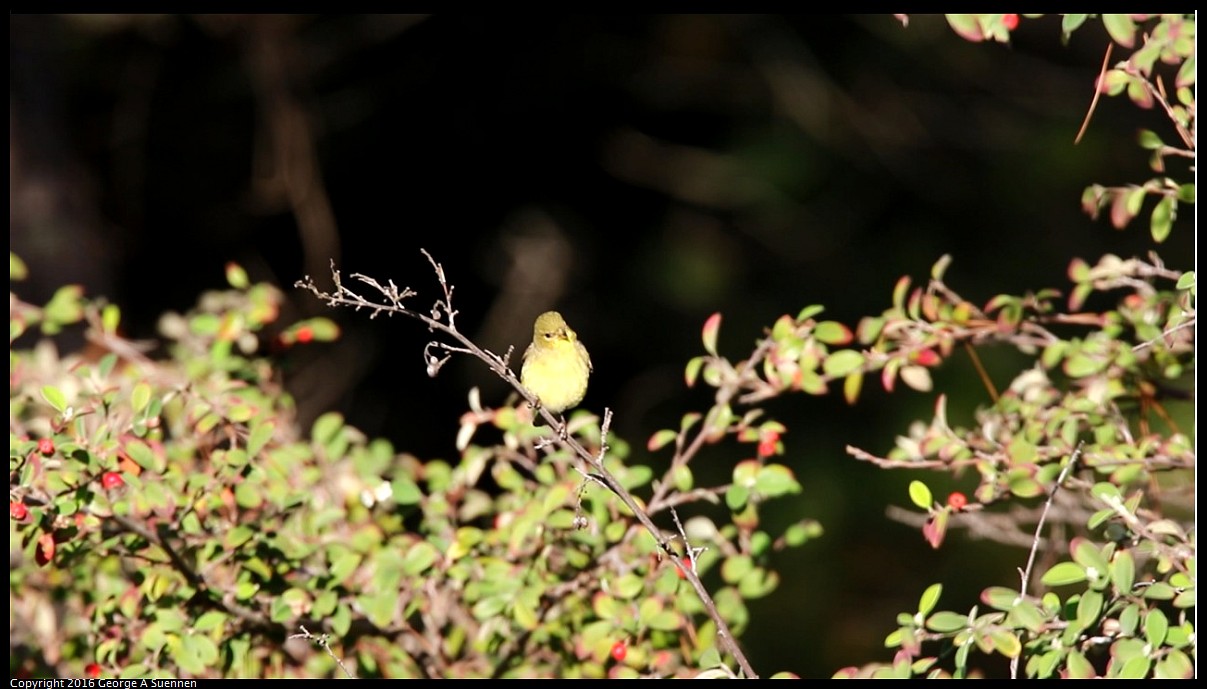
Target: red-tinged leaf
<point>930,307</point>
<point>962,313</point>
<point>899,292</point>
<point>1121,27</point>
<point>1186,75</point>
<point>935,528</point>
<point>323,329</point>
<point>869,329</point>
<point>660,440</point>
<point>998,302</point>
<point>851,387</point>
<point>693,370</point>
<point>711,326</point>
<point>236,277</point>
<point>941,411</point>
<point>915,304</point>
<point>1091,200</point>
<point>1114,82</point>
<point>810,383</point>
<point>44,553</point>
<point>833,332</point>
<point>967,26</point>
<point>1078,296</point>
<point>888,375</point>
<point>1139,93</point>
<point>1079,270</point>
<point>1078,667</point>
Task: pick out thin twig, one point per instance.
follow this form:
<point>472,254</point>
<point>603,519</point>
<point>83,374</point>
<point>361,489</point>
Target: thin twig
<point>1189,323</point>
<point>1097,93</point>
<point>441,320</point>
<point>322,642</point>
<point>1026,573</point>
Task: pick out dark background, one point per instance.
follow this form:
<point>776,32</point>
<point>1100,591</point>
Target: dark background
<point>636,173</point>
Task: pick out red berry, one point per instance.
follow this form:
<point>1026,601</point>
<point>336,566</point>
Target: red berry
<point>46,447</point>
<point>112,479</point>
<point>926,357</point>
<point>17,510</point>
<point>1010,21</point>
<point>957,501</point>
<point>305,334</point>
<point>92,670</point>
<point>619,651</point>
<point>681,567</point>
<point>767,444</point>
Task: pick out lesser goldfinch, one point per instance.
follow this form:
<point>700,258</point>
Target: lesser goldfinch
<point>556,365</point>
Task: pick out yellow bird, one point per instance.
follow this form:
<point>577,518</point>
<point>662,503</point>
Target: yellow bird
<point>556,365</point>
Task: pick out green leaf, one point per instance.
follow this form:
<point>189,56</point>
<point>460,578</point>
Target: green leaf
<point>1187,280</point>
<point>930,597</point>
<point>946,622</point>
<point>920,495</point>
<point>419,558</point>
<point>1089,606</point>
<point>259,436</point>
<point>140,396</point>
<point>326,426</point>
<point>1079,667</point>
<point>1156,626</point>
<point>405,490</point>
<point>1148,139</point>
<point>64,308</point>
<point>1135,668</point>
<point>1027,615</point>
<point>1063,573</point>
<point>1123,572</point>
<point>143,456</point>
<point>1175,665</point>
<point>1162,219</point>
<point>735,567</point>
<point>248,496</point>
<point>1070,23</point>
<point>1006,642</point>
<point>55,398</point>
<point>757,583</point>
<point>17,269</point>
<point>736,497</point>
<point>842,362</point>
<point>851,386</point>
<point>775,480</point>
<point>111,317</point>
<point>237,536</point>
